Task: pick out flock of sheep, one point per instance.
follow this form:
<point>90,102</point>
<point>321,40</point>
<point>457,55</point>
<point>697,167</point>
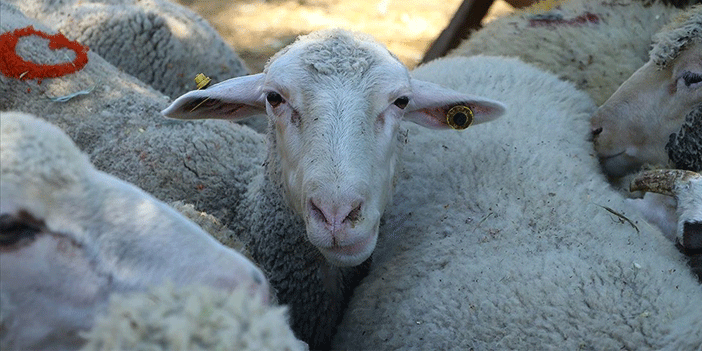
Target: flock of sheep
<point>340,225</point>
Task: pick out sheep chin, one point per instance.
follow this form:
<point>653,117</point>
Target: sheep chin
<point>351,255</point>
<point>619,165</point>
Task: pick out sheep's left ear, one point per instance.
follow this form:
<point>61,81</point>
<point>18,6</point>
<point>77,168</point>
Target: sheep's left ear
<point>233,99</point>
<point>437,107</point>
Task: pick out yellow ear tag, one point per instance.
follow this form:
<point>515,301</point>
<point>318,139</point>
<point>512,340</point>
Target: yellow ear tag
<point>202,81</point>
<point>459,117</point>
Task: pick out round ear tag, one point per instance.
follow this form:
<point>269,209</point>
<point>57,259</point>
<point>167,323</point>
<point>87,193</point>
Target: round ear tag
<point>459,117</point>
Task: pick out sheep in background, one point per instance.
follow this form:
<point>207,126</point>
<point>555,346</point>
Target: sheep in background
<point>161,43</point>
<point>653,119</point>
<point>334,102</point>
<point>633,127</point>
<point>519,243</point>
<point>72,235</point>
<point>189,319</point>
<point>596,44</point>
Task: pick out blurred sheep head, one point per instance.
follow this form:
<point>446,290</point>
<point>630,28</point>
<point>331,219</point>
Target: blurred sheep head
<point>71,235</point>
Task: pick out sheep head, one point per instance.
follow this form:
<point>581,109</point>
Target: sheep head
<point>71,235</point>
<point>334,102</point>
<point>633,126</point>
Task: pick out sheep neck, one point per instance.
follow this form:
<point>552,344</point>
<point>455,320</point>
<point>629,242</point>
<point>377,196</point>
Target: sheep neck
<point>297,271</point>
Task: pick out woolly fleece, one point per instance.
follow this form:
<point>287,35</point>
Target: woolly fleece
<point>119,125</point>
<point>194,318</point>
<point>161,43</point>
<point>598,56</point>
<point>684,31</point>
<point>501,239</point>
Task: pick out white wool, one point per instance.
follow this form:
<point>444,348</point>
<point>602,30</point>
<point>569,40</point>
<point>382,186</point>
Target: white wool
<point>193,318</point>
<point>684,31</point>
<point>506,236</point>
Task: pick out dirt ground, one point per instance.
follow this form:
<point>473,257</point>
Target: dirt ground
<point>257,29</point>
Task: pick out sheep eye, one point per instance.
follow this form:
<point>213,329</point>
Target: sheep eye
<point>459,117</point>
<point>691,78</point>
<point>14,230</point>
<point>401,102</point>
<point>274,99</point>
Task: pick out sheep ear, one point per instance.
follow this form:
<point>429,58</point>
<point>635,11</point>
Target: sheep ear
<point>235,98</point>
<point>436,107</point>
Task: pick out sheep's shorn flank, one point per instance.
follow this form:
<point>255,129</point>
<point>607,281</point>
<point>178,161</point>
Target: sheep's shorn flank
<point>159,42</point>
<point>508,238</point>
<point>119,125</point>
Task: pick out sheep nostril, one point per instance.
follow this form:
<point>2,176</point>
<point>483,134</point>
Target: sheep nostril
<point>596,131</point>
<point>355,213</point>
<point>317,213</point>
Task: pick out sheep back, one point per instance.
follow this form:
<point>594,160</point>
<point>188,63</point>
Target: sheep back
<point>595,44</point>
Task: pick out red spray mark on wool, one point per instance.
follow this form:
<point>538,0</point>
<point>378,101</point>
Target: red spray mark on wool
<point>14,66</point>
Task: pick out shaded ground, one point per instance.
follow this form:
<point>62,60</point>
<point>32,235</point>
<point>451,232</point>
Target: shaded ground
<point>257,29</point>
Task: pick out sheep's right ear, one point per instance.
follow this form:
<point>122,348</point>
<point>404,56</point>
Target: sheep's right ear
<point>235,98</point>
<point>436,107</point>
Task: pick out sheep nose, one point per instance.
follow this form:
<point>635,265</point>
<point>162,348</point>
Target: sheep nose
<point>335,214</point>
<point>595,131</point>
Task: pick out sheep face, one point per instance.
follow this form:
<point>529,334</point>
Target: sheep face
<point>334,102</point>
<point>71,235</point>
<point>632,128</point>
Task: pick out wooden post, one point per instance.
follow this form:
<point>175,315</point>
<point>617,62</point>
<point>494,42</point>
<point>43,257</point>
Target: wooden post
<point>467,18</point>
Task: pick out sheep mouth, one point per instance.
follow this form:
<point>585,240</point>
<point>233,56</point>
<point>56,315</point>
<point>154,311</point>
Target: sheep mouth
<point>612,156</point>
<point>353,254</point>
<point>618,165</point>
